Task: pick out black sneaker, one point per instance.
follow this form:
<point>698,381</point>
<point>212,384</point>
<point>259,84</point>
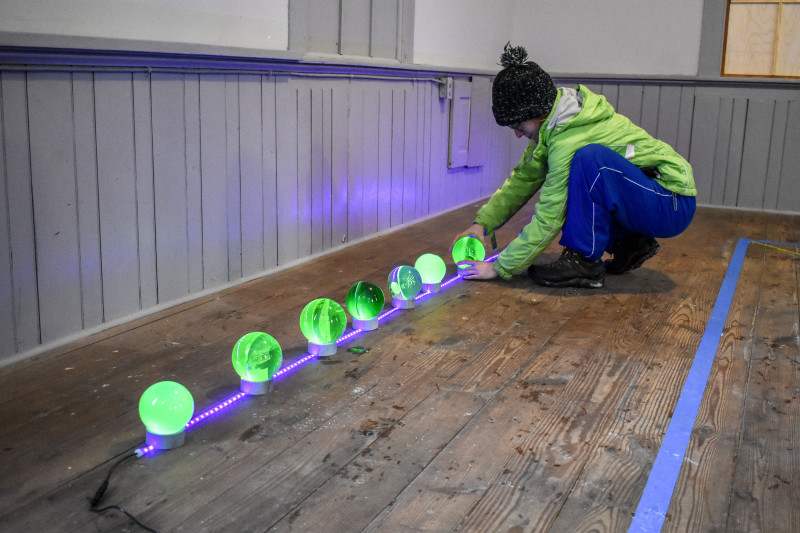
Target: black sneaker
<point>572,269</point>
<point>631,252</point>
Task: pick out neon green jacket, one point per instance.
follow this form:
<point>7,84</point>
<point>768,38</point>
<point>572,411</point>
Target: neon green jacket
<point>579,117</point>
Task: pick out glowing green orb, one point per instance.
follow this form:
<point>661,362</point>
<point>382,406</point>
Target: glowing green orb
<point>431,268</point>
<point>257,356</point>
<point>323,321</point>
<point>405,282</point>
<point>365,300</point>
<point>166,407</point>
<point>468,248</point>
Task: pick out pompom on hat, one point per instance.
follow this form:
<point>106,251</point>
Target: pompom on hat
<point>522,90</point>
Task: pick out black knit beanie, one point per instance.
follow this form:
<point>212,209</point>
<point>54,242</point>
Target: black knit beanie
<point>522,90</point>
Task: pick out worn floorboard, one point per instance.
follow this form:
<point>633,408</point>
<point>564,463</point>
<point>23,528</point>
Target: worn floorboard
<point>491,406</point>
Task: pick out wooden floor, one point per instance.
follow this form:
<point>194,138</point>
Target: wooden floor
<point>492,406</point>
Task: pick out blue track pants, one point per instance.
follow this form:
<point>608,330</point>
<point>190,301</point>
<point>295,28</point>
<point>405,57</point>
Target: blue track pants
<point>609,197</point>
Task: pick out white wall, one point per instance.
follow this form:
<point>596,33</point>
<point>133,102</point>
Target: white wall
<point>645,37</point>
<point>639,37</point>
<point>462,33</point>
<point>259,24</point>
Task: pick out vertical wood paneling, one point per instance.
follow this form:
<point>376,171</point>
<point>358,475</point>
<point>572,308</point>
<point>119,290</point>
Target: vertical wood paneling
<point>322,27</point>
<point>145,190</point>
<point>355,27</point>
<point>701,152</point>
<point>732,178</point>
<point>611,92</point>
<point>438,142</point>
<point>650,100</point>
<point>370,177</point>
<point>789,190</point>
<point>384,192</point>
<point>669,111</point>
<point>384,29</point>
<point>684,140</point>
<point>459,123</point>
<point>423,153</point>
<point>506,163</point>
<point>86,169</point>
<point>305,193</point>
<point>373,28</point>
<point>318,173</point>
<point>397,144</point>
<point>409,151</point>
<point>452,181</point>
<point>755,154</point>
<point>252,182</point>
<point>213,171</point>
<point>269,172</point>
<point>169,177</point>
<point>480,121</point>
<point>234,177</point>
<point>434,148</point>
<point>298,32</point>
<point>116,193</point>
<point>776,146</point>
<point>629,102</point>
<point>24,301</point>
<point>194,183</point>
<point>451,187</point>
<point>340,103</point>
<point>355,165</point>
<point>54,204</point>
<point>287,207</point>
<point>405,34</point>
<point>494,162</point>
<point>8,343</point>
<point>721,151</point>
<point>328,188</point>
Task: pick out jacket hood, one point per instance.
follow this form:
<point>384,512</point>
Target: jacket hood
<point>577,107</point>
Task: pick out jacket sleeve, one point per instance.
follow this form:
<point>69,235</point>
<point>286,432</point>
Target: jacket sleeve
<point>675,173</point>
<point>546,224</point>
<point>523,182</point>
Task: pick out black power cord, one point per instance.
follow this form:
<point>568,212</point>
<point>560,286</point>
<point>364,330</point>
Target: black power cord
<point>95,500</point>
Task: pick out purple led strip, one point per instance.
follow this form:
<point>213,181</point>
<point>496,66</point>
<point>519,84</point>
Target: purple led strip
<point>296,364</point>
<point>287,369</point>
<point>347,336</point>
<point>144,450</point>
<point>202,416</point>
<point>214,410</point>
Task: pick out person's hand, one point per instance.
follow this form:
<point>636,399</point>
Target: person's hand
<point>476,230</point>
<point>477,270</point>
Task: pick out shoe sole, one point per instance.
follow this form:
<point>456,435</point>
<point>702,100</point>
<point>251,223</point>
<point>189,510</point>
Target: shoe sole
<point>580,283</point>
<point>639,262</point>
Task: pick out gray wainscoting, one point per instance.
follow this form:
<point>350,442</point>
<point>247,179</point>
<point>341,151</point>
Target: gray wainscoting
<point>128,192</point>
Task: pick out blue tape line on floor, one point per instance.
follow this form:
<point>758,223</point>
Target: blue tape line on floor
<point>652,509</point>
